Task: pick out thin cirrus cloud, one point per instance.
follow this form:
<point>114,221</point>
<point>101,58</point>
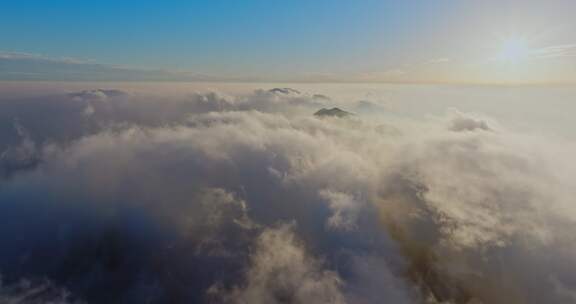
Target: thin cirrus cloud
<point>556,51</point>
<point>16,66</point>
<point>26,66</point>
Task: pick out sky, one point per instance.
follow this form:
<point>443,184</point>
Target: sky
<point>443,41</point>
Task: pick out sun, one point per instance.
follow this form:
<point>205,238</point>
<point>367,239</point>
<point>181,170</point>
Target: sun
<point>514,50</point>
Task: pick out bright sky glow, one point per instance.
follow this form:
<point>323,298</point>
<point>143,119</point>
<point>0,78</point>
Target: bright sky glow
<point>514,50</point>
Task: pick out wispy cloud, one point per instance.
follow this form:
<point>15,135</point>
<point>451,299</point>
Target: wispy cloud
<point>403,72</point>
<point>37,57</point>
<point>26,66</point>
<point>556,51</point>
<point>439,60</point>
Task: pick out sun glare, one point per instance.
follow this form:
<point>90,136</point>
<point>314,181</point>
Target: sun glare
<point>514,50</point>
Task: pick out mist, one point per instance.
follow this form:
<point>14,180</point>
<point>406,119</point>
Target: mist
<point>233,194</point>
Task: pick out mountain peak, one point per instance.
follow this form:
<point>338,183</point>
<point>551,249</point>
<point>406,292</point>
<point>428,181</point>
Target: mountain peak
<point>334,112</point>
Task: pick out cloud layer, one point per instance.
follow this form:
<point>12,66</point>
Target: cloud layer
<point>114,196</point>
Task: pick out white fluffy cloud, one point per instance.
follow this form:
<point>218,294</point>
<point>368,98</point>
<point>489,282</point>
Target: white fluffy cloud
<point>281,271</point>
<point>188,199</point>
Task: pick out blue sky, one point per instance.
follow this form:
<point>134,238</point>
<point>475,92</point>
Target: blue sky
<point>273,39</point>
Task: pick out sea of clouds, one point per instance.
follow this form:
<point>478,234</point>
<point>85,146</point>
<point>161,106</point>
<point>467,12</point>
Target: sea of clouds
<point>111,196</point>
